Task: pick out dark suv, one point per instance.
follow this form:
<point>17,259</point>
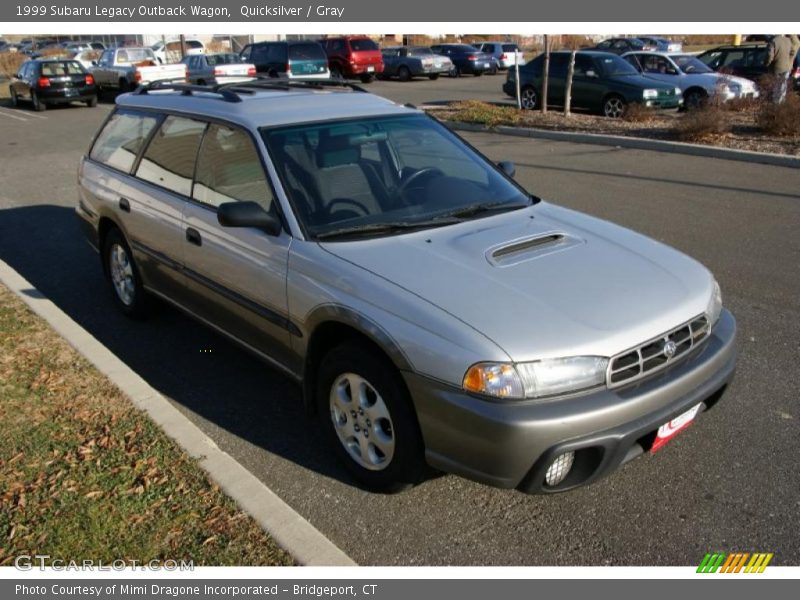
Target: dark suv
<point>601,82</point>
<point>746,60</point>
<point>43,82</point>
<point>353,57</point>
<point>293,60</point>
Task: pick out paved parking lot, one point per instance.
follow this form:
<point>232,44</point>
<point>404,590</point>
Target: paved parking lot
<point>728,483</point>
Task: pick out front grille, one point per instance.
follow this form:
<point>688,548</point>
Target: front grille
<point>658,353</point>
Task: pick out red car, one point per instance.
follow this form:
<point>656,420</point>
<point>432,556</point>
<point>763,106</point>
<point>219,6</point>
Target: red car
<point>353,57</point>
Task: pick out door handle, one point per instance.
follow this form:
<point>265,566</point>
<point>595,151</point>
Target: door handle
<point>124,205</point>
<point>193,237</point>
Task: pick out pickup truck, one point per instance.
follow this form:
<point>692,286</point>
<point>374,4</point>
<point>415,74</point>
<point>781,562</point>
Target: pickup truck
<point>125,69</point>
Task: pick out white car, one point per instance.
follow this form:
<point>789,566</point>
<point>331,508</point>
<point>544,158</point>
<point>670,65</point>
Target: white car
<point>171,51</point>
<point>696,80</point>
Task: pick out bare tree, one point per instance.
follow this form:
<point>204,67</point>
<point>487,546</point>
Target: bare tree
<point>546,79</point>
<point>568,88</point>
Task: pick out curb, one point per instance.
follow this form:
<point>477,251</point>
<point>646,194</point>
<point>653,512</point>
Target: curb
<point>780,160</point>
<point>290,530</point>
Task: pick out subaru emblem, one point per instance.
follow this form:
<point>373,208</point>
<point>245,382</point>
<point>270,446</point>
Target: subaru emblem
<point>670,348</point>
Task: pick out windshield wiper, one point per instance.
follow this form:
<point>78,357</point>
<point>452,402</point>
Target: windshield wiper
<point>465,212</point>
<point>384,228</point>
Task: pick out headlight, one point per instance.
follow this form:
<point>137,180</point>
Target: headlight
<point>714,305</point>
<point>650,94</point>
<point>678,91</point>
<point>536,379</point>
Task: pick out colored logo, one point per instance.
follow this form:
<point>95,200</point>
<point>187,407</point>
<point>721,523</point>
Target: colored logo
<point>736,562</point>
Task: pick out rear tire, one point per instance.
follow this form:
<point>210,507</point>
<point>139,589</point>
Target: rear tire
<point>454,72</point>
<point>367,78</point>
<point>477,73</point>
<point>123,276</point>
<point>336,73</point>
<point>433,77</point>
<point>38,105</point>
<point>529,98</point>
<point>373,428</point>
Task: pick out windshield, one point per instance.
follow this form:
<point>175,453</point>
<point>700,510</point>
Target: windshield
<point>223,59</point>
<point>691,64</point>
<point>420,52</point>
<point>614,66</point>
<point>369,174</point>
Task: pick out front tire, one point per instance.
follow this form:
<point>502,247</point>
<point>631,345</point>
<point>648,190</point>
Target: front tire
<point>369,419</point>
<point>14,98</point>
<point>694,99</point>
<point>404,74</point>
<point>614,107</point>
<point>123,275</point>
<point>433,77</point>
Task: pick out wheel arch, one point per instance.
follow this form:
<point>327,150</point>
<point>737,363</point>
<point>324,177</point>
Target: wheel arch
<point>329,326</point>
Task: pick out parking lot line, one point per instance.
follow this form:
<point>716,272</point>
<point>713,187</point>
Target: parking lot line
<point>10,116</point>
<point>34,115</point>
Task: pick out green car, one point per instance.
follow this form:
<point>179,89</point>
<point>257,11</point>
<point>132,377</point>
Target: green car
<point>602,82</point>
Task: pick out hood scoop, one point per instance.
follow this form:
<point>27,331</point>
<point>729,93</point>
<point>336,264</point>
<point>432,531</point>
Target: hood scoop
<point>520,250</point>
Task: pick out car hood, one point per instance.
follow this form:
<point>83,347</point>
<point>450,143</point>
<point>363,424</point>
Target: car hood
<point>543,281</point>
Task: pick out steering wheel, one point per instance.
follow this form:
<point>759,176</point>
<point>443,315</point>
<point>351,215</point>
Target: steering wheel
<point>360,209</point>
<point>406,183</point>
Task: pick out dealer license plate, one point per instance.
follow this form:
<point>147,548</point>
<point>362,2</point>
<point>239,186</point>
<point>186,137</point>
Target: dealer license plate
<point>670,429</point>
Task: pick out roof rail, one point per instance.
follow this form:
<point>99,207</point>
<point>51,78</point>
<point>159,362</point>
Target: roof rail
<point>267,82</point>
<point>187,89</point>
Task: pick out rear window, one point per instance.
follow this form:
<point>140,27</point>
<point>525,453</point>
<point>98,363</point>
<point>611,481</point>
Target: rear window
<point>223,59</point>
<point>510,48</point>
<point>306,52</point>
<point>361,45</point>
<point>61,68</point>
<point>194,44</point>
<point>121,139</point>
<point>134,55</point>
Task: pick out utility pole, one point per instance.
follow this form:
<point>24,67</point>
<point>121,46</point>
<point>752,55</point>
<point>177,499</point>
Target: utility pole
<point>516,75</point>
<point>183,47</point>
<point>546,79</point>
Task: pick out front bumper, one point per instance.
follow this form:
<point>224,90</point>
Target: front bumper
<point>664,103</point>
<point>511,444</point>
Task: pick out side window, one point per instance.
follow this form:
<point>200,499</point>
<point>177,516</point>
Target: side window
<point>248,50</point>
<point>733,58</point>
<point>558,65</point>
<point>634,60</point>
<point>170,157</point>
<point>119,143</point>
<point>583,64</point>
<point>604,45</point>
<point>229,170</point>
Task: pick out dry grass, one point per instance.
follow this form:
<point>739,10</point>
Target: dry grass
<point>782,120</point>
<point>84,475</point>
<point>639,113</point>
<point>491,115</point>
<point>703,124</point>
<point>10,63</point>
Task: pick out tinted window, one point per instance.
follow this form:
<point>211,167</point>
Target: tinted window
<point>614,65</point>
<point>121,139</point>
<point>229,170</point>
<point>558,65</point>
<point>223,59</point>
<point>260,54</point>
<point>360,45</point>
<point>510,48</point>
<point>61,68</point>
<point>276,53</point>
<point>583,64</point>
<point>306,52</point>
<point>170,157</point>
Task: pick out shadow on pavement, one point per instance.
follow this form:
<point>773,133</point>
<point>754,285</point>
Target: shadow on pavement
<point>199,370</point>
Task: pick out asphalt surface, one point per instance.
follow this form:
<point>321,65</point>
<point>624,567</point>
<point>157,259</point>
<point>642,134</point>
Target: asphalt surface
<point>728,483</point>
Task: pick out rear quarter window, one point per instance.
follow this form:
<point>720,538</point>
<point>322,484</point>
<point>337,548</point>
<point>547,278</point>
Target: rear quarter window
<point>120,141</point>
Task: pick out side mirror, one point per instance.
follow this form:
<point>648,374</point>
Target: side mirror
<point>94,63</point>
<point>507,167</point>
<point>591,73</point>
<point>247,214</point>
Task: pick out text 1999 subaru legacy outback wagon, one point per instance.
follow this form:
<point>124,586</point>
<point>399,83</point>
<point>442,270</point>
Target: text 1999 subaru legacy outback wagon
<point>433,310</point>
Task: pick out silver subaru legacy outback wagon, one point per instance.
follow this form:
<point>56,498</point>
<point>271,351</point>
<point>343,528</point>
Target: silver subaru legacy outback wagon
<point>435,313</point>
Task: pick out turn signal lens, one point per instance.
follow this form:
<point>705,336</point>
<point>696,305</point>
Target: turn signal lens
<point>494,379</point>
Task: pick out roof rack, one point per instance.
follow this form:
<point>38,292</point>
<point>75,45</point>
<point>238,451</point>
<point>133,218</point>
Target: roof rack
<point>267,82</point>
<point>187,89</point>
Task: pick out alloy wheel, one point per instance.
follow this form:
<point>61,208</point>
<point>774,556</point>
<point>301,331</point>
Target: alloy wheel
<point>614,107</point>
<point>122,277</point>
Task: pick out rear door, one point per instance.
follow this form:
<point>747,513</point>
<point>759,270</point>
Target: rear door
<point>587,89</point>
<point>236,276</point>
<point>156,197</point>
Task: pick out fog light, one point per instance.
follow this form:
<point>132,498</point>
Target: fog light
<point>559,469</point>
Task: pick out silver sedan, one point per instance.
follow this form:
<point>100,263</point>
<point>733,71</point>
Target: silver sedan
<point>210,69</point>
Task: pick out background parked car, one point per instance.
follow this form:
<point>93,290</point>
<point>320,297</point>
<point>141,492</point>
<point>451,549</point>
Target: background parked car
<point>44,82</point>
<point>353,57</point>
<point>407,62</point>
<point>622,45</point>
<point>505,53</point>
<point>124,69</point>
<point>466,59</point>
<point>210,69</point>
<point>293,60</point>
<point>87,58</point>
<point>661,44</point>
<point>602,82</point>
<point>171,51</point>
<point>745,60</point>
<point>696,80</point>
